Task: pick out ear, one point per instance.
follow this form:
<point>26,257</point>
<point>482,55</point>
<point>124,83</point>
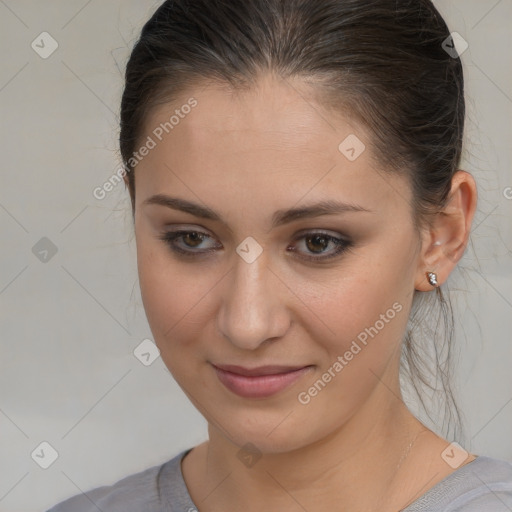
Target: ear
<point>445,240</point>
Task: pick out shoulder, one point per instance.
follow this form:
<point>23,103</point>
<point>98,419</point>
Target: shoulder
<point>140,491</point>
<point>484,484</point>
<point>489,487</point>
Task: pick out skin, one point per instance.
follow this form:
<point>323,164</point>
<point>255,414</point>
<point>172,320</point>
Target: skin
<point>246,155</point>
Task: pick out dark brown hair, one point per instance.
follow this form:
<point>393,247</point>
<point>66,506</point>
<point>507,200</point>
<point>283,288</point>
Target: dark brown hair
<point>381,61</point>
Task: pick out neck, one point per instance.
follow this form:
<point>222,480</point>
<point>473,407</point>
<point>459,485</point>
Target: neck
<point>354,468</point>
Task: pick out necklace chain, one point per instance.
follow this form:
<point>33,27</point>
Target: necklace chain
<point>408,449</point>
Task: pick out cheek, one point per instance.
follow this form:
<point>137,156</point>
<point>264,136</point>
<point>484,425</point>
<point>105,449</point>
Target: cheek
<point>174,297</point>
<point>365,326</point>
<point>368,331</point>
<point>352,298</point>
<point>361,315</point>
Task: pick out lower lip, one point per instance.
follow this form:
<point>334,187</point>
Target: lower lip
<point>261,386</point>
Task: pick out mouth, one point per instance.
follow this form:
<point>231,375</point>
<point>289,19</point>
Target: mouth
<point>260,382</point>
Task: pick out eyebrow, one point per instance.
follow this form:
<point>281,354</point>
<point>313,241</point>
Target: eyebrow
<point>279,218</point>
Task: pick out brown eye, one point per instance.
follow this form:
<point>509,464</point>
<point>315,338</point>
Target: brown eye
<point>317,243</point>
<point>186,242</point>
<point>193,239</point>
<point>318,247</point>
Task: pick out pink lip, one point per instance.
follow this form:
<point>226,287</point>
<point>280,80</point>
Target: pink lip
<point>260,382</point>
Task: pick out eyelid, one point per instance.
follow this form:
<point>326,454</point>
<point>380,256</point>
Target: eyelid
<point>319,231</point>
<point>187,227</point>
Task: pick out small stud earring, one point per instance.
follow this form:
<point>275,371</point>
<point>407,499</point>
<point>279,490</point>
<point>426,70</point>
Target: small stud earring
<point>432,279</point>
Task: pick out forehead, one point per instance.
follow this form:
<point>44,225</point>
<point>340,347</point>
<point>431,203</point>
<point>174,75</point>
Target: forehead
<point>272,114</point>
<point>272,138</point>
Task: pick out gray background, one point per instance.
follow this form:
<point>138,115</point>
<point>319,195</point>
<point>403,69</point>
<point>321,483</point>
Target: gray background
<point>69,325</point>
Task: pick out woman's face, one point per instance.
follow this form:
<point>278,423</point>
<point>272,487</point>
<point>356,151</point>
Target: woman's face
<point>280,296</point>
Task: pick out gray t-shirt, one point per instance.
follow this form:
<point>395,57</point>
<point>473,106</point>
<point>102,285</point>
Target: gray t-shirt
<point>483,485</point>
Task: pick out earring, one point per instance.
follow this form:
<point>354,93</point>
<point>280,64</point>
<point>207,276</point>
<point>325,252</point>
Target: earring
<point>432,279</point>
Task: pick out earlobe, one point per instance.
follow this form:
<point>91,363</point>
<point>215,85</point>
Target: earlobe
<point>446,239</point>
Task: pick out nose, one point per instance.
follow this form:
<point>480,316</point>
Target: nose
<point>253,308</point>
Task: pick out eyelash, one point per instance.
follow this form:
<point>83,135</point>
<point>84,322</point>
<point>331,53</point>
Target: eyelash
<point>170,237</point>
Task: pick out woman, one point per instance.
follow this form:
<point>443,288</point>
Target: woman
<point>293,171</point>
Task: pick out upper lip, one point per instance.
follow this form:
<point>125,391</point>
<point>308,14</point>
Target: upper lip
<point>259,370</point>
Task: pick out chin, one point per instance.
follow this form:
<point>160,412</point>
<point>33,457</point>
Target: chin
<point>271,432</point>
